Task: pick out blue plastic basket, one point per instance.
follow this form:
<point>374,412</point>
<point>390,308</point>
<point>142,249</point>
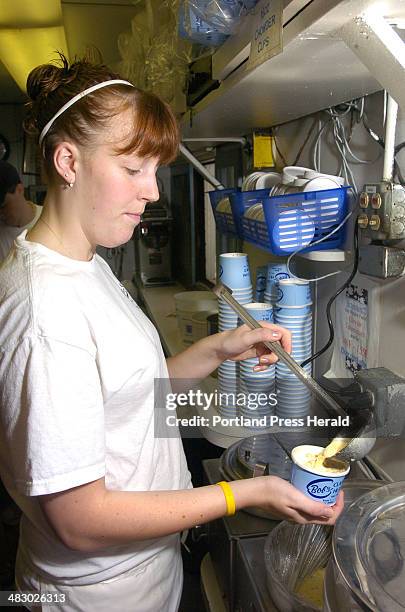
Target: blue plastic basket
<point>292,221</point>
<point>225,222</point>
<point>297,220</point>
<point>241,201</point>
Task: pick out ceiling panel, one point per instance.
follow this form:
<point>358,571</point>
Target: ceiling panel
<point>97,24</point>
<point>88,23</point>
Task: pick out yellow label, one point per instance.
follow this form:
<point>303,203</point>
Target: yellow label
<point>262,151</point>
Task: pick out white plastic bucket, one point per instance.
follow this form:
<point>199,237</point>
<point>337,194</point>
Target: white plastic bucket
<point>199,324</point>
<point>187,304</point>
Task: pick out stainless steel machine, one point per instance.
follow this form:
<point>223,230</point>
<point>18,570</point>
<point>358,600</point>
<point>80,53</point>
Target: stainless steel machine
<point>153,245</point>
<point>237,543</point>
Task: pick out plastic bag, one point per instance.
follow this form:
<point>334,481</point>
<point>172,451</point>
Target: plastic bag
<point>153,57</point>
<point>193,27</point>
<point>224,15</point>
<point>210,22</point>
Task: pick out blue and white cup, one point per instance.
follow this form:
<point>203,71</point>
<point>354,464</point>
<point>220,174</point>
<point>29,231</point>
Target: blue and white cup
<point>227,317</point>
<point>242,293</point>
<point>303,325</point>
<point>289,387</point>
<point>293,292</point>
<point>234,270</point>
<point>320,484</point>
<point>275,273</point>
<point>261,280</point>
<point>283,369</point>
<point>260,311</point>
<point>291,312</point>
<point>286,396</point>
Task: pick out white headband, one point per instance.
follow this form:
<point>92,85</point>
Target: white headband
<point>75,99</point>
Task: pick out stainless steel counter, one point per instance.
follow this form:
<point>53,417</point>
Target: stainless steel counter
<point>226,533</point>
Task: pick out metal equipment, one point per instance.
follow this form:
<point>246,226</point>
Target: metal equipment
<point>382,215</point>
<point>236,543</point>
<point>153,247</point>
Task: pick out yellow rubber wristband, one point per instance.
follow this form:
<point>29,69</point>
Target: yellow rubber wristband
<point>229,498</point>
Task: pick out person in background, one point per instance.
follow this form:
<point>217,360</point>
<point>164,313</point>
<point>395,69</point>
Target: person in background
<point>103,497</point>
<point>16,213</point>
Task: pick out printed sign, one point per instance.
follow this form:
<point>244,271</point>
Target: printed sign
<point>267,35</point>
<point>354,345</point>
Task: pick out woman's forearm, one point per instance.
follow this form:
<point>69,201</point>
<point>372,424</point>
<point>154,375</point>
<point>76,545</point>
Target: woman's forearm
<point>198,360</point>
<point>90,517</point>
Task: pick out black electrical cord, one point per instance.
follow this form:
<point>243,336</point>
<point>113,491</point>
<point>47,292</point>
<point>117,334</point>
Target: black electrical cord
<point>333,298</point>
<point>399,147</point>
<point>310,132</point>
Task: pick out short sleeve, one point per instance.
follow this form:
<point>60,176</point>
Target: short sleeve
<point>52,416</point>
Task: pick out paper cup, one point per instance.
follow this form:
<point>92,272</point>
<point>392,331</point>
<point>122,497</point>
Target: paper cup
<point>294,292</point>
<point>260,311</point>
<point>275,273</point>
<point>319,485</point>
<point>281,310</point>
<point>234,270</point>
<point>261,278</point>
<point>242,291</point>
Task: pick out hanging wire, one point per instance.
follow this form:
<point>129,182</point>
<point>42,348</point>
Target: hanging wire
<point>342,137</point>
<point>333,298</point>
<point>283,159</point>
<point>309,134</point>
<point>381,142</point>
<point>313,280</point>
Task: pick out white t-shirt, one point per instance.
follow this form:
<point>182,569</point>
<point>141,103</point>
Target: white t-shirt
<point>78,359</point>
<point>9,233</point>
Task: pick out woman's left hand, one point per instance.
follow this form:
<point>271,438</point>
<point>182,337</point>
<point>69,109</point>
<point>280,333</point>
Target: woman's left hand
<point>244,343</point>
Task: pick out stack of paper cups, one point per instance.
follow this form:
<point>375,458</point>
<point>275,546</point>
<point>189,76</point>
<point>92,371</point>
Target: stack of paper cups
<point>294,311</point>
<point>254,383</point>
<point>235,274</point>
<point>275,272</point>
<point>261,281</point>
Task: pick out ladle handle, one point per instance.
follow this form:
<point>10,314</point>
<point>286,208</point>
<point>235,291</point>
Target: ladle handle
<point>223,292</point>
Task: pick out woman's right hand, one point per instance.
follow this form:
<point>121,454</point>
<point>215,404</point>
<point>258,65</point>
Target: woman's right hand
<point>282,499</point>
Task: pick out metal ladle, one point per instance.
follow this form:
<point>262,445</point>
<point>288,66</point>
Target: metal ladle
<point>364,427</point>
<point>359,445</point>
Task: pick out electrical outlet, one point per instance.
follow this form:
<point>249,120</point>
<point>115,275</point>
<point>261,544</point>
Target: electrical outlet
<point>382,211</point>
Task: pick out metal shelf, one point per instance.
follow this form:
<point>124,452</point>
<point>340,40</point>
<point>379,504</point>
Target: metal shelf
<point>316,69</point>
